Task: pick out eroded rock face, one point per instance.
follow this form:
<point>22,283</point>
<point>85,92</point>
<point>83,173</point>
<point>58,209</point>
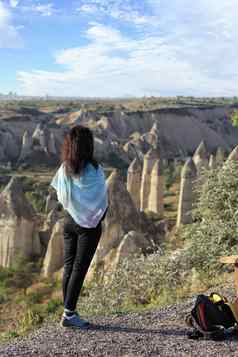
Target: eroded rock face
<point>212,162</point>
<point>40,137</point>
<point>121,217</point>
<point>51,202</point>
<point>132,244</point>
<point>156,196</point>
<point>52,144</point>
<point>149,161</point>
<point>18,234</point>
<point>220,156</point>
<point>139,144</point>
<point>53,216</point>
<point>39,147</point>
<point>179,132</point>
<point>9,148</point>
<point>53,260</point>
<point>201,156</point>
<point>186,197</point>
<point>26,145</point>
<point>152,137</point>
<point>134,181</point>
<point>2,154</point>
<point>233,155</point>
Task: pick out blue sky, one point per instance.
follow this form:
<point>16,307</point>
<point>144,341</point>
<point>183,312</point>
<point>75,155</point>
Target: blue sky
<point>119,47</point>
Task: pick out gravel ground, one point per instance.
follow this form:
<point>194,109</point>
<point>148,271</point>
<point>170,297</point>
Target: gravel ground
<point>154,333</point>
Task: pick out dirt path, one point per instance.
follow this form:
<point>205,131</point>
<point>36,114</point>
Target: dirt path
<point>157,333</point>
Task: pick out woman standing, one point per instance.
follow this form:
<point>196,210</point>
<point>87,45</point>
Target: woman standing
<point>81,189</point>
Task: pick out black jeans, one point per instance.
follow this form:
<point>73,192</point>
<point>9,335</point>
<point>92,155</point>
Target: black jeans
<point>80,244</point>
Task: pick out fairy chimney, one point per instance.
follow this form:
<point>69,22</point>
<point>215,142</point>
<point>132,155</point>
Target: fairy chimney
<point>156,196</point>
<point>134,181</point>
<point>212,162</point>
<point>39,137</point>
<point>51,144</point>
<point>186,198</point>
<point>200,157</point>
<point>18,231</point>
<point>122,216</point>
<point>53,260</point>
<point>220,155</point>
<point>149,161</point>
<point>233,155</point>
<point>26,145</point>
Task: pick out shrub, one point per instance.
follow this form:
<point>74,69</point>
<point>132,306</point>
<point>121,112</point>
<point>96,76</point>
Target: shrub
<point>171,175</point>
<point>234,118</point>
<point>33,317</point>
<point>137,282</point>
<point>53,305</point>
<point>165,276</point>
<point>215,231</point>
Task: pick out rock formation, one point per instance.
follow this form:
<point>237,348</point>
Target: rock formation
<point>40,147</point>
<point>211,124</point>
<point>45,233</point>
<point>149,161</point>
<point>134,175</point>
<point>18,235</point>
<point>26,145</point>
<point>220,155</point>
<point>212,162</point>
<point>39,138</point>
<point>121,217</point>
<point>152,137</point>
<point>9,149</point>
<point>51,201</point>
<point>156,195</point>
<point>2,154</point>
<point>200,157</point>
<point>136,143</point>
<point>186,197</point>
<point>132,244</point>
<point>53,260</point>
<point>233,155</point>
<point>52,145</point>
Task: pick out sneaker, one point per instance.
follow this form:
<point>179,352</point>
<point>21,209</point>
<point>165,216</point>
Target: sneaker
<point>74,321</point>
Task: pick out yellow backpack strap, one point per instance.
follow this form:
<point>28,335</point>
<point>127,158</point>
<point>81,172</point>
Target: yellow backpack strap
<point>215,297</point>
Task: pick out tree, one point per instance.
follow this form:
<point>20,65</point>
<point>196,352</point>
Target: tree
<point>234,118</point>
<point>215,228</point>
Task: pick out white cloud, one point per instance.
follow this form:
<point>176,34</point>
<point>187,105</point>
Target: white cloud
<point>9,36</point>
<point>43,9</point>
<point>191,50</point>
<point>14,3</point>
<point>123,10</point>
<point>87,8</point>
<point>38,8</point>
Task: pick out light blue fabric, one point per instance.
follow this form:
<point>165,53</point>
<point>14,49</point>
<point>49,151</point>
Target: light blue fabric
<point>85,198</point>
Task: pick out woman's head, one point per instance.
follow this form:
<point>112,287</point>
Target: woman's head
<point>78,149</point>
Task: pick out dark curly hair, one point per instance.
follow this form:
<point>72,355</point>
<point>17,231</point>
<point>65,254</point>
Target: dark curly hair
<point>78,150</point>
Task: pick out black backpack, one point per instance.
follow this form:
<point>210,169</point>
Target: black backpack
<point>212,317</point>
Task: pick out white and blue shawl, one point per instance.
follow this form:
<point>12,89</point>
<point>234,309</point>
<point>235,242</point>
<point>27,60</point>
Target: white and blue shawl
<point>84,197</point>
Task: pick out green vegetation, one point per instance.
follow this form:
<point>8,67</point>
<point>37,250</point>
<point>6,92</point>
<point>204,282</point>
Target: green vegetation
<point>234,118</point>
<point>65,105</point>
<point>36,192</point>
<point>142,282</point>
<point>171,175</point>
<point>215,231</point>
<point>166,276</point>
<point>32,303</point>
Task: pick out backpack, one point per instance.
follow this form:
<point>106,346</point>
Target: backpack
<point>212,317</point>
